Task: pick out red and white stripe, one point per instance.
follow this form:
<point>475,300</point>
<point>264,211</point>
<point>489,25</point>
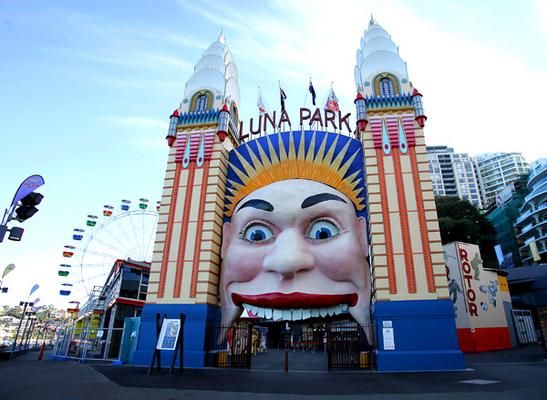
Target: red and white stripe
<point>195,141</point>
<point>393,130</point>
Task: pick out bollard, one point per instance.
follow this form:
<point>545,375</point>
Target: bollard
<point>42,348</point>
<point>286,361</point>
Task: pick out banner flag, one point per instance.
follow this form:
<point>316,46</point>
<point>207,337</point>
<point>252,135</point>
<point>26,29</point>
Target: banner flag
<point>8,269</point>
<point>282,97</point>
<point>312,91</point>
<point>34,289</point>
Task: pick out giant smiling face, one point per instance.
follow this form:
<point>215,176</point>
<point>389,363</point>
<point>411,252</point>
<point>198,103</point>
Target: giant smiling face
<point>295,249</point>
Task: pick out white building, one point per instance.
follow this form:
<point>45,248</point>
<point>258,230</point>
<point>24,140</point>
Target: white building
<point>532,223</point>
<point>497,170</point>
<point>453,174</point>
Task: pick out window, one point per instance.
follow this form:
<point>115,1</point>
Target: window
<point>386,87</point>
<point>201,103</point>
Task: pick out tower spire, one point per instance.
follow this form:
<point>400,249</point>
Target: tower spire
<point>221,38</point>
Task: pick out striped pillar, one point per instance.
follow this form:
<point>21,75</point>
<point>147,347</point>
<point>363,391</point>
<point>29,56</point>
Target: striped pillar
<point>186,261</point>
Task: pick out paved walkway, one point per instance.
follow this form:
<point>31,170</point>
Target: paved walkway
<point>520,373</point>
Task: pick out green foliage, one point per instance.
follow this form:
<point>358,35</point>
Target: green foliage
<point>461,221</point>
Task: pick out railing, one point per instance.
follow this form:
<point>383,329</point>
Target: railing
<point>348,346</point>
<point>88,343</point>
<point>229,346</point>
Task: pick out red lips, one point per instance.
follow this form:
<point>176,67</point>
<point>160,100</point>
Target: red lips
<point>294,300</point>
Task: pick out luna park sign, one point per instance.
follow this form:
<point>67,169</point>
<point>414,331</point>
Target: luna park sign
<point>324,118</point>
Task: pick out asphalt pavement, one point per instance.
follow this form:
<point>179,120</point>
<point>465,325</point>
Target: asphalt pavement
<point>519,373</point>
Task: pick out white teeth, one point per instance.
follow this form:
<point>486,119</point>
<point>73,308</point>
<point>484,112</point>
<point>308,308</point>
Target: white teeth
<point>277,315</point>
<point>295,314</point>
<point>287,315</point>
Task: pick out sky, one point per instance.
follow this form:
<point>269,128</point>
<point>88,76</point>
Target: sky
<point>87,89</point>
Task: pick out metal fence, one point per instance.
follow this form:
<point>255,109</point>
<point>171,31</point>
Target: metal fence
<point>88,343</point>
<point>524,326</point>
<point>228,346</point>
<point>347,346</point>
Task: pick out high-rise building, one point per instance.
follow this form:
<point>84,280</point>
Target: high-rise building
<point>453,174</point>
<point>497,170</point>
<point>532,223</point>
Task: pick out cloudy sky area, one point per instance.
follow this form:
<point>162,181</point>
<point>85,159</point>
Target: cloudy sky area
<point>87,89</point>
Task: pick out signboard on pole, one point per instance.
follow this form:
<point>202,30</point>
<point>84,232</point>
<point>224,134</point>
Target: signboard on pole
<point>169,334</point>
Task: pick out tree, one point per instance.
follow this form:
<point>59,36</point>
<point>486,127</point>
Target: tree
<point>459,220</point>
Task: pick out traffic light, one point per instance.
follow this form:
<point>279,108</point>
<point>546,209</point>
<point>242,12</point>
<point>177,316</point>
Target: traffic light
<point>27,208</point>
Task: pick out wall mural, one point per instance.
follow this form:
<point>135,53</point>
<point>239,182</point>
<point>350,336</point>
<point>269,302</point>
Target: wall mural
<point>295,240</point>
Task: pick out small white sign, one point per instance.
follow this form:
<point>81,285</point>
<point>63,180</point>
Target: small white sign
<point>169,334</point>
<point>99,333</point>
<point>387,324</point>
<point>389,339</point>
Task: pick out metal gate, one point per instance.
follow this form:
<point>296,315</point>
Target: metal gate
<point>347,346</point>
<point>228,346</point>
<point>524,325</point>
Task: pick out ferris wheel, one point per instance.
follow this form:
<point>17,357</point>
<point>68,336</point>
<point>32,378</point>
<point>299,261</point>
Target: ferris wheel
<point>118,233</point>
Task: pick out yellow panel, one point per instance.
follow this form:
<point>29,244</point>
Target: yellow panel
<point>427,195</point>
<point>170,279</point>
<point>374,198</point>
<point>440,281</point>
<point>186,280</point>
<point>372,179</point>
<point>379,249</point>
<point>391,189</point>
<point>376,228</point>
<point>371,170</point>
<point>190,241</point>
<point>425,176</point>
<point>406,166</point>
<point>419,273</point>
<point>415,234</point>
<point>369,161</point>
<point>396,234</point>
<point>381,272</point>
<point>504,287</point>
<point>410,194</point>
<point>380,260</point>
<point>431,215</point>
<point>434,236</point>
<point>376,218</point>
<point>400,273</point>
<point>195,203</point>
<point>208,256</point>
<point>437,258</point>
<point>373,188</point>
<point>374,208</point>
<point>388,165</point>
<point>427,185</point>
<point>175,240</point>
<point>429,205</point>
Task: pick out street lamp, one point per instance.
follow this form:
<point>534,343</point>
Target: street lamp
<point>23,206</point>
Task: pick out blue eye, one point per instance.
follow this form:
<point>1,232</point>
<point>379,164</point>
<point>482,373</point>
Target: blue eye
<point>257,233</point>
<point>322,229</point>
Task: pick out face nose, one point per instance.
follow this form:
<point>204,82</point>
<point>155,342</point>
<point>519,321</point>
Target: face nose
<point>289,254</point>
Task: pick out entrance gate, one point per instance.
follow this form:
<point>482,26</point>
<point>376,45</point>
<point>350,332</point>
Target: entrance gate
<point>348,347</point>
<point>524,325</point>
<point>228,346</point>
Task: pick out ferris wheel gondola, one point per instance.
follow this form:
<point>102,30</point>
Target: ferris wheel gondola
<point>122,233</point>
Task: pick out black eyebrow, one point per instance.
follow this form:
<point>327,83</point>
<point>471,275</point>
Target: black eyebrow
<point>257,203</point>
<point>319,198</point>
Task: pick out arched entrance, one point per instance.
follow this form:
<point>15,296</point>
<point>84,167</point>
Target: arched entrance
<point>317,344</point>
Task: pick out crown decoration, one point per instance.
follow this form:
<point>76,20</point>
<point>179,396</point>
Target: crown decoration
<point>329,158</point>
